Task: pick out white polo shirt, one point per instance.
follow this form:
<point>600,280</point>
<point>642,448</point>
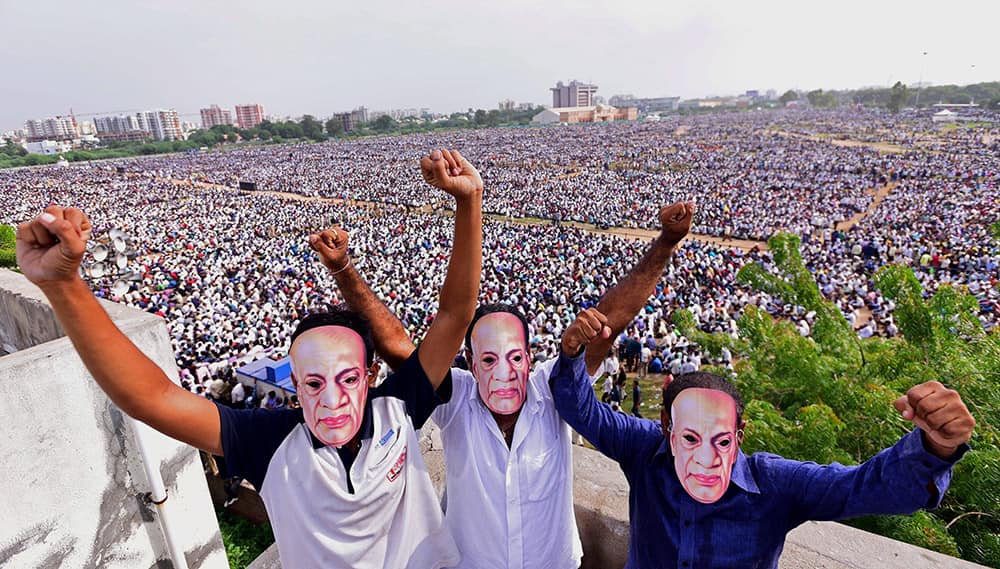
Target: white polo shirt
<point>380,512</point>
<point>509,508</point>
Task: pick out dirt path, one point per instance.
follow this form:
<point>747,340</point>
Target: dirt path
<point>633,234</point>
<point>880,194</point>
<point>880,146</point>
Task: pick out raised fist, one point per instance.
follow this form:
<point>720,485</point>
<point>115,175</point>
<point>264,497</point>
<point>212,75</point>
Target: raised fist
<point>449,171</point>
<point>675,221</point>
<point>331,244</point>
<point>588,325</point>
<point>50,247</point>
<point>940,414</point>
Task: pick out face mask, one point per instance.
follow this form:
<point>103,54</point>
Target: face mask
<point>328,366</point>
<point>500,362</point>
<point>704,441</point>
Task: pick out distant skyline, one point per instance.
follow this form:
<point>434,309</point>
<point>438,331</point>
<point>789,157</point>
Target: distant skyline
<point>318,58</point>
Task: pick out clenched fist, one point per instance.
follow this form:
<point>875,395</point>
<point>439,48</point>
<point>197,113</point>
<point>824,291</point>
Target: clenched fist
<point>449,171</point>
<point>675,221</point>
<point>588,325</point>
<point>940,414</point>
<point>331,244</point>
<point>50,247</point>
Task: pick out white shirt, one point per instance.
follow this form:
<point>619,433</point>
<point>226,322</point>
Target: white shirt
<point>509,508</point>
<point>238,394</point>
<point>609,367</point>
<point>381,512</point>
<point>313,514</point>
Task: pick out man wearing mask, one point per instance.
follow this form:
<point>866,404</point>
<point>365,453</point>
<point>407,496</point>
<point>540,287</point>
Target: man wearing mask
<point>508,454</point>
<point>342,478</point>
<point>695,500</point>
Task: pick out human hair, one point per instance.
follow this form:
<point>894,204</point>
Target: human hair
<point>701,380</point>
<point>487,309</point>
<point>340,317</point>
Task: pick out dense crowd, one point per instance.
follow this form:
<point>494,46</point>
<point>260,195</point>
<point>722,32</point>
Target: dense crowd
<point>231,272</point>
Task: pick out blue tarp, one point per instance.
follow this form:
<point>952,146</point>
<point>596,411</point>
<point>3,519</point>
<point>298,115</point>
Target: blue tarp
<point>277,373</point>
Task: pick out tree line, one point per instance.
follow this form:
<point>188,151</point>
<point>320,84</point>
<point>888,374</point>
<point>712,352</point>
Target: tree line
<point>899,96</point>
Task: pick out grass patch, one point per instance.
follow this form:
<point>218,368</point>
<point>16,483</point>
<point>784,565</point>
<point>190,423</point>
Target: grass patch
<point>244,540</point>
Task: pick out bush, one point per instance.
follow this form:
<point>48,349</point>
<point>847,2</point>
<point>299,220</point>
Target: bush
<point>829,397</point>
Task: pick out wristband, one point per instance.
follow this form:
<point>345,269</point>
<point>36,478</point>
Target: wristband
<point>342,269</point>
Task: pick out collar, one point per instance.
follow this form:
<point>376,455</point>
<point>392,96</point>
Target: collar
<point>742,477</point>
<point>366,431</point>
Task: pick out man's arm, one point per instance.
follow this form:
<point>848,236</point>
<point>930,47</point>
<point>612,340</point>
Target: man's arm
<point>392,343</point>
<point>49,251</point>
<point>910,475</point>
<point>626,299</point>
<point>615,435</point>
<point>455,175</point>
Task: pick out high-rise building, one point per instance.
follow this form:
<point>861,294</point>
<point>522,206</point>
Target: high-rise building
<point>163,124</point>
<point>51,128</point>
<point>575,94</point>
<point>214,116</point>
<point>120,128</point>
<point>507,105</point>
<point>249,116</point>
<point>352,120</point>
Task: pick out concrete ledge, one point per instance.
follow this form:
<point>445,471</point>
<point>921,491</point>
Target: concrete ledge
<point>75,493</point>
<point>28,320</point>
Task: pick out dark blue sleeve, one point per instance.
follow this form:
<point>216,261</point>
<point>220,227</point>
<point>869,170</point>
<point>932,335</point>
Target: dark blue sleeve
<point>899,480</point>
<point>410,384</point>
<point>620,437</point>
<point>250,438</point>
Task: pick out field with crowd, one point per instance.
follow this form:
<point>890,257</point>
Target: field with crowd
<point>571,209</point>
<point>231,273</point>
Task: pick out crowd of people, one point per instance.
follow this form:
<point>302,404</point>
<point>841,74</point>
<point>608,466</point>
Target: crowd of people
<point>232,273</point>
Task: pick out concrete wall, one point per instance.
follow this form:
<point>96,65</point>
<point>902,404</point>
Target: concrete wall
<point>72,485</point>
<point>23,324</point>
<point>600,494</point>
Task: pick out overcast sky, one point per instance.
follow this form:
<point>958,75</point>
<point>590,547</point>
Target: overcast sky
<point>298,56</point>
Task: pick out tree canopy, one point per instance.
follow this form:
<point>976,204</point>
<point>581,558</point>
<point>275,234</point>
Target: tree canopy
<point>7,257</point>
<point>898,97</point>
<point>788,96</point>
<point>829,397</point>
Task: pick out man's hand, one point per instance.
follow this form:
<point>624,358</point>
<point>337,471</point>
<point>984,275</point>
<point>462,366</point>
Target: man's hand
<point>588,325</point>
<point>331,244</point>
<point>675,221</point>
<point>449,171</point>
<point>50,247</point>
<point>940,414</point>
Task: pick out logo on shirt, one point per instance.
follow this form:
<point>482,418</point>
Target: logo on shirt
<point>386,437</point>
<point>397,468</point>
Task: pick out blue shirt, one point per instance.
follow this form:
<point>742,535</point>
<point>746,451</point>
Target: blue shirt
<point>768,495</point>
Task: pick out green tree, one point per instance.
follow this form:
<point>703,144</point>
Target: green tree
<point>898,97</point>
<point>385,123</point>
<point>311,128</point>
<point>334,127</point>
<point>7,235</point>
<point>13,150</point>
<point>788,97</point>
<point>829,396</point>
<point>821,99</point>
<point>480,117</point>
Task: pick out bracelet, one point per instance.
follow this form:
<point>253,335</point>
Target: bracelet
<point>342,269</point>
